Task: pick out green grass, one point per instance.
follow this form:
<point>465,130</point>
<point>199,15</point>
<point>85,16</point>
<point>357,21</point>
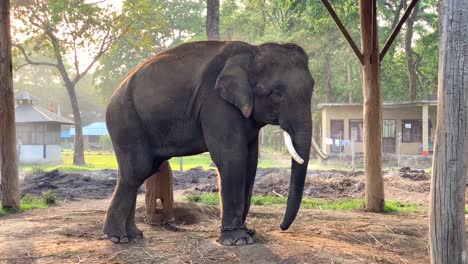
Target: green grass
<point>102,160</point>
<point>339,204</point>
<point>29,202</point>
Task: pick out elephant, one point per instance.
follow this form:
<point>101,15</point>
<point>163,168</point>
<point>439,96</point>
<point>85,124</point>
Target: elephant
<point>210,96</point>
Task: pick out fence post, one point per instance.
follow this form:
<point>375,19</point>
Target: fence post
<point>352,156</point>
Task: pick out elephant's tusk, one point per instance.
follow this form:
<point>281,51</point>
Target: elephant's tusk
<point>291,149</point>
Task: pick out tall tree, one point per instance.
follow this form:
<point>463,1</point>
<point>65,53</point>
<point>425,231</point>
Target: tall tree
<point>148,27</point>
<point>8,154</point>
<point>447,215</point>
<point>65,29</point>
<point>212,19</point>
<point>410,60</point>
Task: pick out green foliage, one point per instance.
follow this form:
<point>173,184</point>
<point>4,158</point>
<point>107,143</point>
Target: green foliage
<point>339,204</point>
<point>28,202</point>
<point>149,27</point>
<point>49,197</point>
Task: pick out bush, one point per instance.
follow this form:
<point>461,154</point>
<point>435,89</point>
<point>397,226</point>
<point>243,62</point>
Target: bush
<point>193,197</point>
<point>49,197</point>
<point>29,202</point>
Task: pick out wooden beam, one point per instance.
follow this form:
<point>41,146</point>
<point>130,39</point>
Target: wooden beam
<point>397,29</point>
<point>343,30</point>
<point>8,153</point>
<point>372,114</point>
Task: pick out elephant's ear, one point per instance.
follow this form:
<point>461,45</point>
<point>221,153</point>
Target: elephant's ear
<point>234,82</point>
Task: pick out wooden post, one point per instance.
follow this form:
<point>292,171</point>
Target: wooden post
<point>8,153</point>
<point>159,196</point>
<point>449,169</point>
<point>372,107</point>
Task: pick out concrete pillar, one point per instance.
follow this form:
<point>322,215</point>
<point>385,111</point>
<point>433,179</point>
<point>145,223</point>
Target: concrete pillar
<point>346,149</point>
<point>325,132</point>
<point>425,129</point>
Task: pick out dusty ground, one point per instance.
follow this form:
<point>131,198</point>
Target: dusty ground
<point>71,231</point>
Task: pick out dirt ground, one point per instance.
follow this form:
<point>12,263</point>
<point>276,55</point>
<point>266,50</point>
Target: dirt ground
<point>70,232</point>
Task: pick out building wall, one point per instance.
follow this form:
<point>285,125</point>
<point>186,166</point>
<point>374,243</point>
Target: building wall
<point>347,113</point>
<point>35,153</point>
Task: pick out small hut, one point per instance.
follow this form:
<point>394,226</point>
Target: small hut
<point>37,131</point>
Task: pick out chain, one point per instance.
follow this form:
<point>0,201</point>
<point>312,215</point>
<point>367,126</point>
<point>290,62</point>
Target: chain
<point>232,228</point>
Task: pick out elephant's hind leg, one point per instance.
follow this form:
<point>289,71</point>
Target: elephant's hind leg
<point>135,166</point>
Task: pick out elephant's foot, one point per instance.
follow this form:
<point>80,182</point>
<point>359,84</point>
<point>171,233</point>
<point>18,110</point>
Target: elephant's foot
<point>133,232</point>
<point>115,233</point>
<point>236,236</point>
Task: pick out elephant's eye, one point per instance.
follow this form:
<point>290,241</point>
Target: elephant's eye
<point>276,95</point>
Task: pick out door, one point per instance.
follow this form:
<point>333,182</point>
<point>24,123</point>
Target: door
<point>389,136</point>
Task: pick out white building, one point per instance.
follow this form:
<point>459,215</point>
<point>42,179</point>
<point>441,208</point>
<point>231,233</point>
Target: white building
<point>37,131</point>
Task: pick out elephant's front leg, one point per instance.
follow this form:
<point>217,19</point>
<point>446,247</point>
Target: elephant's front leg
<point>232,169</point>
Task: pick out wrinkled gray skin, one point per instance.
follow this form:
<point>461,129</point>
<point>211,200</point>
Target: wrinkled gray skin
<point>209,96</point>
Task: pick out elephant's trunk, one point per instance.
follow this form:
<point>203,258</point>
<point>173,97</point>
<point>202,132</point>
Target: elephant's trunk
<point>301,138</point>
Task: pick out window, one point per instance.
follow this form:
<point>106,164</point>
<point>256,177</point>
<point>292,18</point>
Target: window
<point>355,130</point>
<point>411,130</point>
<point>337,133</point>
<point>388,129</point>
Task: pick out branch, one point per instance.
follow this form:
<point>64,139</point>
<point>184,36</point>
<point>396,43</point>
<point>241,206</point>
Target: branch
<point>29,61</point>
<point>105,44</point>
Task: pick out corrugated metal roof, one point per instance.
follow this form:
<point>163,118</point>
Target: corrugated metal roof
<point>29,113</point>
<point>94,129</point>
<point>26,96</point>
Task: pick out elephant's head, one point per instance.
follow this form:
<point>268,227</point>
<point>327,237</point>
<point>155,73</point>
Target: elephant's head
<point>272,84</point>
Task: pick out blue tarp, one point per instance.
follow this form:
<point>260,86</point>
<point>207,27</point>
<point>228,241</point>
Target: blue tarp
<point>65,134</point>
<point>94,129</point>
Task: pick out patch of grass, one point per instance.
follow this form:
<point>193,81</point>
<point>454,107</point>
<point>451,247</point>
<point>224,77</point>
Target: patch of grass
<point>100,160</point>
<point>203,198</point>
<point>339,204</point>
<point>28,202</point>
<point>396,206</point>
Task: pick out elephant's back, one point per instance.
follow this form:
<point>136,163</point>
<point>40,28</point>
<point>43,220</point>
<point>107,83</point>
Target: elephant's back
<point>166,82</point>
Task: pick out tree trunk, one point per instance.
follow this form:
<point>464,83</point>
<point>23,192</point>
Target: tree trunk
<point>328,77</point>
<point>412,77</point>
<point>78,155</point>
<point>350,83</point>
<point>372,107</point>
<point>447,216</point>
<point>212,19</point>
<point>159,196</point>
<point>8,154</point>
